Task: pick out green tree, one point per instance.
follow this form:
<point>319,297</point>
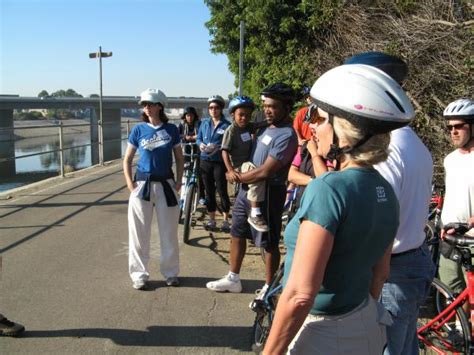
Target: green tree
<point>43,93</point>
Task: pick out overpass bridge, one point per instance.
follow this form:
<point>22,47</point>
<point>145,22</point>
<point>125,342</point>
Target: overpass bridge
<point>110,127</point>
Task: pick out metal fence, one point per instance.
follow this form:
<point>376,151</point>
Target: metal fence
<point>60,126</point>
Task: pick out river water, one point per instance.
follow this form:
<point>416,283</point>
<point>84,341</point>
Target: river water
<point>38,167</point>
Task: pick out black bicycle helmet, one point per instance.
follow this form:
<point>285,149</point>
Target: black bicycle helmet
<point>280,91</point>
<point>391,65</point>
<point>191,110</point>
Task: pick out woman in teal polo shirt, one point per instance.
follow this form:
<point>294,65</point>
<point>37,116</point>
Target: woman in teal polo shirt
<point>339,241</point>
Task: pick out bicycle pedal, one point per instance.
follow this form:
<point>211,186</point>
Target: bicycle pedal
<point>256,305</point>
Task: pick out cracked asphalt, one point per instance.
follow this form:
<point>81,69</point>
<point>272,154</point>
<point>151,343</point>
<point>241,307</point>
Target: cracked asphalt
<point>64,243</point>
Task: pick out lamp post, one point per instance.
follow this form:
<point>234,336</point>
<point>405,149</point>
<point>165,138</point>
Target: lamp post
<point>241,57</point>
<point>100,55</point>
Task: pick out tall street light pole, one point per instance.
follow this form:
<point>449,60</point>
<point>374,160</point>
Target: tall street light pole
<point>100,55</point>
<point>241,57</point>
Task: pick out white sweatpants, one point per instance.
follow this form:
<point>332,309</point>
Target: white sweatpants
<point>140,215</point>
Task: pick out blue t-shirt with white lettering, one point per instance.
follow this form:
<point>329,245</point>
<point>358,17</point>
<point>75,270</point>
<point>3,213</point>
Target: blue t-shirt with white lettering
<point>155,146</point>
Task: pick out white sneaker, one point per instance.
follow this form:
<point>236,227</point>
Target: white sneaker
<point>225,285</point>
<point>139,284</point>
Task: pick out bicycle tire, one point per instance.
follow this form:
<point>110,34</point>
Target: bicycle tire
<point>450,337</point>
<point>432,241</point>
<point>264,317</point>
<point>188,207</point>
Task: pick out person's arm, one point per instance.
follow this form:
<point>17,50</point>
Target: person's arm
<point>127,167</point>
<point>470,222</point>
<point>297,177</point>
<point>267,169</point>
<point>313,248</point>
<point>231,174</point>
<point>319,163</point>
<point>179,158</point>
<point>380,273</point>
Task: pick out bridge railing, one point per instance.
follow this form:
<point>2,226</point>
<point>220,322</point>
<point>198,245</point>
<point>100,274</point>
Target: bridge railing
<point>60,127</point>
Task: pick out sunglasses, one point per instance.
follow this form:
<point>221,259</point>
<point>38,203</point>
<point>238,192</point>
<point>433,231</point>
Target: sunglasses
<point>145,104</point>
<point>458,126</point>
<point>214,107</point>
<point>313,117</point>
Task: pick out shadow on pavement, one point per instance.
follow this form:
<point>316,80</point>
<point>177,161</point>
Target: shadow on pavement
<point>178,336</point>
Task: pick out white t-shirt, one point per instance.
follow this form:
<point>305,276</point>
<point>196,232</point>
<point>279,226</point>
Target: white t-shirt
<point>459,197</point>
<point>409,169</point>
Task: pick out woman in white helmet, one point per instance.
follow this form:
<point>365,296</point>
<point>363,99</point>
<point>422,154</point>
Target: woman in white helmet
<point>339,242</point>
<point>153,188</point>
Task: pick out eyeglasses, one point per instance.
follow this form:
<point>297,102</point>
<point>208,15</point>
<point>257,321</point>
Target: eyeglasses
<point>458,126</point>
<point>313,117</point>
<point>145,104</point>
<point>214,107</point>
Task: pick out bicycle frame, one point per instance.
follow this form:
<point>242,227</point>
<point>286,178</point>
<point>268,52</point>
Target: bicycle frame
<point>189,177</point>
<point>448,314</point>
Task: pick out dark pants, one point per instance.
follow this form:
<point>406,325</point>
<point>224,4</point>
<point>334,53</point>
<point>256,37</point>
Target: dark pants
<point>213,177</point>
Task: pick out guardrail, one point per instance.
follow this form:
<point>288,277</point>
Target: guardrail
<point>60,126</point>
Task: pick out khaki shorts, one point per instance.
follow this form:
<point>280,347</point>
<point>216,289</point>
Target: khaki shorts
<point>361,331</point>
<point>256,191</point>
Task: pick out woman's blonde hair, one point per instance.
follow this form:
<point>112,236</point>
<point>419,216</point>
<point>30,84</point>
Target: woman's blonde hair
<point>372,152</point>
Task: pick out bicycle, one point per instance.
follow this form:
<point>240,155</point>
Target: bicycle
<point>265,310</point>
<point>189,191</point>
<point>433,226</point>
<point>449,332</point>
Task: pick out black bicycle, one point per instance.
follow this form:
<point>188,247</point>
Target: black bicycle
<point>265,310</point>
<point>189,191</point>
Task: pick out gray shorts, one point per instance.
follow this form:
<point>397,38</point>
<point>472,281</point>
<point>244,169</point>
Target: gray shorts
<point>360,331</point>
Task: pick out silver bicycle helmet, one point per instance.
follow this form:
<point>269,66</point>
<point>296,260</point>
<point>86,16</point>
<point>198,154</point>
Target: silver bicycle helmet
<point>462,109</point>
<point>217,99</point>
<point>364,95</point>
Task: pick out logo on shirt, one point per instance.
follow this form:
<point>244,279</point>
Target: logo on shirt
<point>159,139</point>
<point>381,197</point>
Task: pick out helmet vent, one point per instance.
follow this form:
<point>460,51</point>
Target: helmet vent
<point>395,101</point>
<point>459,108</point>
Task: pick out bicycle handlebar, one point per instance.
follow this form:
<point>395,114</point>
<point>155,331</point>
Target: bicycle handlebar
<point>458,238</point>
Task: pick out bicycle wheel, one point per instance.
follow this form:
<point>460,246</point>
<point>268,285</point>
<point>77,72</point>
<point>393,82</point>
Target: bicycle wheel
<point>261,329</point>
<point>188,209</point>
<point>452,333</point>
<point>432,241</point>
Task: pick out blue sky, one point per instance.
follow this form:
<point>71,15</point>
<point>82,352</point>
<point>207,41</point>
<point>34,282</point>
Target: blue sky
<point>44,44</point>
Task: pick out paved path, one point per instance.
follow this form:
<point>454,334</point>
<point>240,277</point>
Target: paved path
<point>64,276</point>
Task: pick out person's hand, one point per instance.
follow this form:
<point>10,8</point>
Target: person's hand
<point>231,176</point>
<point>177,186</point>
<point>470,222</point>
<point>312,147</point>
<point>202,147</point>
<point>132,186</point>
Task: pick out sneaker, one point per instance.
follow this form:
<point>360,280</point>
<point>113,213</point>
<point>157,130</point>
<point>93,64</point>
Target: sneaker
<point>211,224</point>
<point>258,223</point>
<point>9,328</point>
<point>225,285</point>
<point>202,201</point>
<point>139,284</point>
<point>172,281</point>
<point>225,227</point>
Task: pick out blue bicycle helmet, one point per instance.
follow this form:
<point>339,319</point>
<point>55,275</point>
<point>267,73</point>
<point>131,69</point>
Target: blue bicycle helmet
<point>391,65</point>
<point>241,101</point>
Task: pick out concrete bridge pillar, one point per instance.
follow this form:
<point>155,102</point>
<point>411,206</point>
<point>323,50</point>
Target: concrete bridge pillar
<point>7,143</point>
<point>112,135</point>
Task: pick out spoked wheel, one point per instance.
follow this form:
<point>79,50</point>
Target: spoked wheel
<point>188,209</point>
<point>261,329</point>
<point>454,335</point>
<point>432,241</point>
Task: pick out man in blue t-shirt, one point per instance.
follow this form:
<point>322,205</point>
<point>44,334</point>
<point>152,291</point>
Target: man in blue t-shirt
<point>272,155</point>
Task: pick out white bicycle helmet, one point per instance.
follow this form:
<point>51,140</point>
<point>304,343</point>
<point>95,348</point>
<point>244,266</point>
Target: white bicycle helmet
<point>217,99</point>
<point>364,95</point>
<point>154,96</point>
<point>462,109</point>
